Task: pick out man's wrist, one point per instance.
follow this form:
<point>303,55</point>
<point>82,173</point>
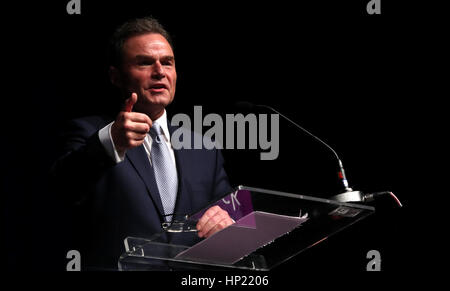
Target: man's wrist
<point>107,141</point>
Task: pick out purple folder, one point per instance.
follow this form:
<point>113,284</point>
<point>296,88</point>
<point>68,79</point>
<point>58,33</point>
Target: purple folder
<point>249,233</point>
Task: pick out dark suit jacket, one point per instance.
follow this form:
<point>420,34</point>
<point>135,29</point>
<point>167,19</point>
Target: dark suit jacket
<point>119,200</point>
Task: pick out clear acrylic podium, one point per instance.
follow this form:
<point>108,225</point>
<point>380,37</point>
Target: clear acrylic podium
<point>270,228</point>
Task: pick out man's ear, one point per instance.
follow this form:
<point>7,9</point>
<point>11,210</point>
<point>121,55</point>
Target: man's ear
<point>115,77</point>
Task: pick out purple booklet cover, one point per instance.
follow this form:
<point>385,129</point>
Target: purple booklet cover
<point>249,233</point>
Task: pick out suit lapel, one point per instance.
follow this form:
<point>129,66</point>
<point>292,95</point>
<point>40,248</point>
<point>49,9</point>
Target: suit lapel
<point>138,158</point>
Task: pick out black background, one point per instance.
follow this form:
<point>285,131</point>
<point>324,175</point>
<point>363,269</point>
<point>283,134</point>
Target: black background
<point>348,77</point>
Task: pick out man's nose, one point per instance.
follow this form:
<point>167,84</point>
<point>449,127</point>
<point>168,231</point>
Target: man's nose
<point>158,71</point>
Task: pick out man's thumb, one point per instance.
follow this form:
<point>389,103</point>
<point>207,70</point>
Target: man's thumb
<point>129,103</point>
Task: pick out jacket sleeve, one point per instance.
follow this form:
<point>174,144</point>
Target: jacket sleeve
<point>222,184</point>
<point>83,159</point>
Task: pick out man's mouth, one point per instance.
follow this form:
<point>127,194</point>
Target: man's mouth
<point>158,87</point>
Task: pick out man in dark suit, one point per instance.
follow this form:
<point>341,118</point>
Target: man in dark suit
<point>111,168</point>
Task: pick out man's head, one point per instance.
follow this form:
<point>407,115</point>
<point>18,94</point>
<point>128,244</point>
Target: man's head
<point>142,61</point>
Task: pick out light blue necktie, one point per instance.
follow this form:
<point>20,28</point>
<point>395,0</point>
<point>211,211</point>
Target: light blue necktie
<point>165,171</point>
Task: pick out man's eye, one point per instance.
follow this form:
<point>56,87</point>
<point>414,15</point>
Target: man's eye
<point>144,63</point>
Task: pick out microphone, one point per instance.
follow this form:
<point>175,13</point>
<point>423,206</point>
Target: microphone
<point>349,195</point>
<point>342,176</point>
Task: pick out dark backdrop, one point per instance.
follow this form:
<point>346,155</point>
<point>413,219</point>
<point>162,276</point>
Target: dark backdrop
<point>346,76</point>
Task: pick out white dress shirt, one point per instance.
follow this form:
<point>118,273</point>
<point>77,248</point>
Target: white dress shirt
<point>105,137</point>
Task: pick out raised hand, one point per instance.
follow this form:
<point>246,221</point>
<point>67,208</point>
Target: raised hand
<point>130,128</point>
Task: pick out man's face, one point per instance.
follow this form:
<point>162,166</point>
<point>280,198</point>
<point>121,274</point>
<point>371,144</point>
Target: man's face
<point>148,69</point>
